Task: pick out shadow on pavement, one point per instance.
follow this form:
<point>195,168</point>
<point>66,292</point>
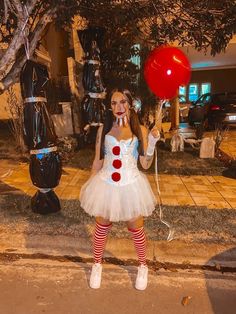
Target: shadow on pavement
<point>221,284</point>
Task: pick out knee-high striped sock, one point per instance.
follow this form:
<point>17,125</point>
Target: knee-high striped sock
<point>139,239</point>
<point>99,241</point>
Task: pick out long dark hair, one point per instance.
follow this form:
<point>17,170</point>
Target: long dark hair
<point>134,121</point>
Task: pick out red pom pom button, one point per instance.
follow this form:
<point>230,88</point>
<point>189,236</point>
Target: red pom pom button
<point>117,163</point>
<point>115,176</point>
<point>116,150</point>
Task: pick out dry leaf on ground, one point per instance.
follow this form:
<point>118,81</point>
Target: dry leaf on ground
<point>185,300</point>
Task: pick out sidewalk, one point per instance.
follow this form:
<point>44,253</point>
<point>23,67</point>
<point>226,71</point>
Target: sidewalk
<point>210,191</point>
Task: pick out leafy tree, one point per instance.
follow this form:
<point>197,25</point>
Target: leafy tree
<point>199,23</point>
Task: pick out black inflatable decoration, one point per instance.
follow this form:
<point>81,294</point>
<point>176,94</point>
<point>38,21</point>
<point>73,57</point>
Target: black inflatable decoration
<point>93,108</point>
<point>40,138</point>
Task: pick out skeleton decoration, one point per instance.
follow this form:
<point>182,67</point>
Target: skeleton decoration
<point>177,143</point>
<point>40,138</point>
<point>93,108</point>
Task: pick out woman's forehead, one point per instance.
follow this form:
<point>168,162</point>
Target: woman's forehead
<point>118,96</point>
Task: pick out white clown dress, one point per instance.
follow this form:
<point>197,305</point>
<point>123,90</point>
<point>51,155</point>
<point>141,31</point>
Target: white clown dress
<point>119,191</point>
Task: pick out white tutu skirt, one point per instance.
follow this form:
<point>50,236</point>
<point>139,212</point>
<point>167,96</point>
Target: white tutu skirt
<point>117,203</point>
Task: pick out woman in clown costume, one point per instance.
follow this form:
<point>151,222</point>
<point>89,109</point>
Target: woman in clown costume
<point>117,190</point>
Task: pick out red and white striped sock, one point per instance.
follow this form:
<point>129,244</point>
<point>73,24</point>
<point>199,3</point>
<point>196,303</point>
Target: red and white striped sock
<point>99,241</point>
<point>139,239</point>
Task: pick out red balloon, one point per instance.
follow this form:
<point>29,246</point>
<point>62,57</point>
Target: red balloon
<point>165,70</point>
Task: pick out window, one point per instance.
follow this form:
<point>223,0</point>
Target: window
<point>182,94</point>
<point>135,59</point>
<point>205,88</point>
<point>182,90</point>
<point>193,92</point>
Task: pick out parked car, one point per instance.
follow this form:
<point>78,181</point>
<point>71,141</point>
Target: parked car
<point>213,110</point>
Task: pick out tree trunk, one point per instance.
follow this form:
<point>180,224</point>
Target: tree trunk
<point>19,35</point>
<point>13,75</point>
<point>175,113</point>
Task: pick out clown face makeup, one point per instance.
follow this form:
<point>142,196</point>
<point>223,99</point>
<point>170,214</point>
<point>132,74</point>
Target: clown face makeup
<point>120,108</point>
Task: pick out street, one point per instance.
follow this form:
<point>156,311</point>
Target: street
<point>61,287</point>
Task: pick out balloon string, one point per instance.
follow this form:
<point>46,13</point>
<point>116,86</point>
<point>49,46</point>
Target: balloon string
<point>171,229</point>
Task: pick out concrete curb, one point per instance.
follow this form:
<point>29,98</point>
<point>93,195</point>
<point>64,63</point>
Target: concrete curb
<point>174,252</point>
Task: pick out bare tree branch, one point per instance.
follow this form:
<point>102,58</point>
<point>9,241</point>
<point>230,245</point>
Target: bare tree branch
<point>19,8</point>
<point>18,39</point>
<point>13,74</point>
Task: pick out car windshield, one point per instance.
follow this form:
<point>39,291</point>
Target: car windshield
<point>204,99</point>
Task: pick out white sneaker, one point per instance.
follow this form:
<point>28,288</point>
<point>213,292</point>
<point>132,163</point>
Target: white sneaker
<point>96,276</point>
<point>142,278</point>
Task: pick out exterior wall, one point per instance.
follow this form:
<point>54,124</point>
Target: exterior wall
<point>222,80</point>
<point>57,45</point>
<point>78,24</point>
<point>77,46</point>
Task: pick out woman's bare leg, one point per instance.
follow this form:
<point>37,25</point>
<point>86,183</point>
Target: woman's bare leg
<point>135,223</point>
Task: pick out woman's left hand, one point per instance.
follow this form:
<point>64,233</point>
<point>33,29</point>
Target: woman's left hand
<point>155,132</point>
